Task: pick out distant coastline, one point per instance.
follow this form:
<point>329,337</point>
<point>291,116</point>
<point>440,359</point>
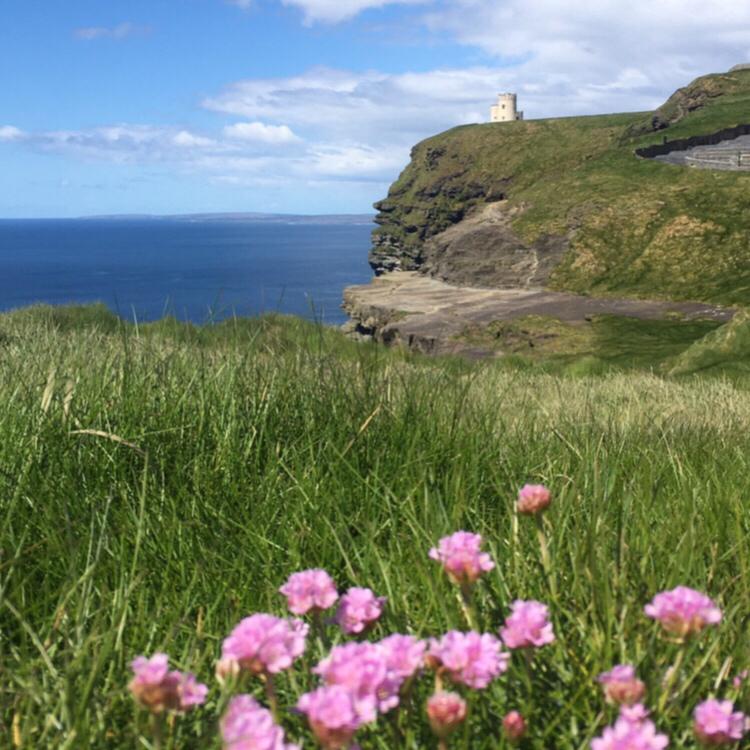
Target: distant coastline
<point>255,218</point>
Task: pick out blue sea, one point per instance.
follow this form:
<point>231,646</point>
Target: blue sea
<point>195,270</point>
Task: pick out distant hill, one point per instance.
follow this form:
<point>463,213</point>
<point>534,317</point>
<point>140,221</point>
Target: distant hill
<point>574,208</point>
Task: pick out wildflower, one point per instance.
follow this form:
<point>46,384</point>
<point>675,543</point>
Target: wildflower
<point>533,499</point>
<point>360,668</point>
<point>716,723</point>
<point>469,658</point>
<point>248,726</point>
<point>333,716</point>
<point>309,590</point>
<point>740,678</point>
<point>404,655</point>
<point>635,714</point>
<point>461,557</point>
<point>264,644</point>
<point>630,735</point>
<point>683,611</point>
<point>514,726</point>
<point>527,626</point>
<point>621,685</point>
<point>158,689</point>
<point>359,609</point>
<point>446,712</point>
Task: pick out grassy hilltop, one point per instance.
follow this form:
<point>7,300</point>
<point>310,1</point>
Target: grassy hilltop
<point>159,483</point>
<point>635,227</point>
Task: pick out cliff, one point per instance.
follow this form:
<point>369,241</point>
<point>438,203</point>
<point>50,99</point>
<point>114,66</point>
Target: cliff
<point>567,204</point>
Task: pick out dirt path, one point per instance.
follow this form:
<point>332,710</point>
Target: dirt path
<point>428,314</point>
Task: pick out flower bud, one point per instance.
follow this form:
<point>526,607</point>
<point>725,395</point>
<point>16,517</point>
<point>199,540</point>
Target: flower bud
<point>446,712</point>
<point>533,499</point>
<point>514,726</point>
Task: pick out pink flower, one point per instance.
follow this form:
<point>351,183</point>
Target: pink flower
<point>716,723</point>
<point>635,714</point>
<point>527,626</point>
<point>158,689</point>
<point>359,609</point>
<point>362,668</point>
<point>404,655</point>
<point>248,726</point>
<point>621,685</point>
<point>683,611</point>
<point>630,735</point>
<point>469,658</point>
<point>264,644</point>
<point>461,557</point>
<point>309,590</point>
<point>514,726</point>
<point>739,678</point>
<point>533,499</point>
<point>446,712</point>
<point>333,715</point>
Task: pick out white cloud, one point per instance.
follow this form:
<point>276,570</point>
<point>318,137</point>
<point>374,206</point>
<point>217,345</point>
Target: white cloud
<point>121,31</point>
<point>599,56</point>
<point>259,132</point>
<point>9,133</point>
<point>334,11</point>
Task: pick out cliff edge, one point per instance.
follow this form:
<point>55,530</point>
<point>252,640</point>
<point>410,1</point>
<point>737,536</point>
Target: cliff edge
<point>566,204</point>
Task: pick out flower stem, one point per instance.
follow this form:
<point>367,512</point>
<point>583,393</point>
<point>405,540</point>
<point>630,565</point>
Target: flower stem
<point>157,730</point>
<point>544,550</point>
<point>670,679</point>
<point>319,629</point>
<point>272,697</point>
<point>467,605</point>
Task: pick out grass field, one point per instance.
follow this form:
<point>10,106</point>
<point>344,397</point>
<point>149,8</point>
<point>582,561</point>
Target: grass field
<point>159,483</point>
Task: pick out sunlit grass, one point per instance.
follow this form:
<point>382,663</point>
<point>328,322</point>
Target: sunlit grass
<point>159,483</point>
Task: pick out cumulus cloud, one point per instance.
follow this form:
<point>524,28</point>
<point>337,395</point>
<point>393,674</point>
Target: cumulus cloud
<point>259,132</point>
<point>121,31</point>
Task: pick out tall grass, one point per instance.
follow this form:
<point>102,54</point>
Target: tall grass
<point>159,483</point>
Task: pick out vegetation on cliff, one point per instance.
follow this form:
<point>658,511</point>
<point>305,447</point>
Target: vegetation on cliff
<point>160,482</point>
<point>632,226</point>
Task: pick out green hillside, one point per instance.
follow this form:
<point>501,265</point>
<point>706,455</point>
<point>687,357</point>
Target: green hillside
<point>635,227</point>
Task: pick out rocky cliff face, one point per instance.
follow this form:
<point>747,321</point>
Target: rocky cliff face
<point>566,204</point>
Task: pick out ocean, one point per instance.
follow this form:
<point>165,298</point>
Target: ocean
<point>198,270</point>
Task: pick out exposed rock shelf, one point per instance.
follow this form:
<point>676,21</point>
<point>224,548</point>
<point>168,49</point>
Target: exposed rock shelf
<point>433,317</point>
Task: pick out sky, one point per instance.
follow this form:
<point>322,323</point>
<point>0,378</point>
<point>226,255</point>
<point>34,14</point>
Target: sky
<point>308,106</point>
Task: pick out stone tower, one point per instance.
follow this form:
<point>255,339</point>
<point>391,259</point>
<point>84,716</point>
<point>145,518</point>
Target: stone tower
<point>506,109</point>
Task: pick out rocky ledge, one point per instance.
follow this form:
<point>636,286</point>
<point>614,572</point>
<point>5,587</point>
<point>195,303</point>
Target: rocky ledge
<point>431,316</point>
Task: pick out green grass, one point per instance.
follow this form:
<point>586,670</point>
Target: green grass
<point>259,447</point>
<point>639,227</point>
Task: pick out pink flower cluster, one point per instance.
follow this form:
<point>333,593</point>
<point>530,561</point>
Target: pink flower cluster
<point>683,611</point>
<point>333,715</point>
<point>359,609</point>
<point>514,726</point>
<point>633,730</point>
<point>461,556</point>
<point>263,644</point>
<point>362,679</point>
<point>621,685</point>
<point>716,723</point>
<point>248,726</point>
<point>309,590</point>
<point>528,626</point>
<point>470,659</point>
<point>158,689</point>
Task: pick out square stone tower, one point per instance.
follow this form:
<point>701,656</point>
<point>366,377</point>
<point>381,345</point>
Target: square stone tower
<point>505,110</point>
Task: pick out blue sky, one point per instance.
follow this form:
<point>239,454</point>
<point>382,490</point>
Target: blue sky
<point>307,106</point>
